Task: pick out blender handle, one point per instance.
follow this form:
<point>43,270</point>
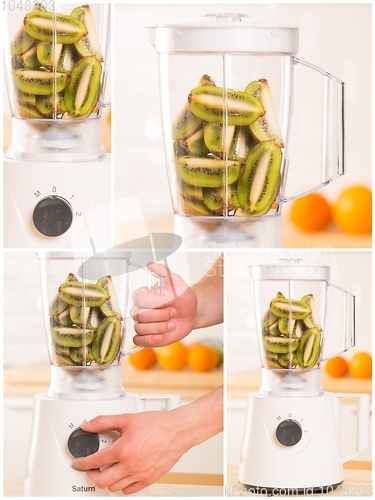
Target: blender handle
<point>331,168</point>
<point>150,276</point>
<point>362,427</point>
<point>348,320</point>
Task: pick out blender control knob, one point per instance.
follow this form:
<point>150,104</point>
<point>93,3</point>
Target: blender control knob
<point>82,443</point>
<point>53,216</point>
<point>289,432</point>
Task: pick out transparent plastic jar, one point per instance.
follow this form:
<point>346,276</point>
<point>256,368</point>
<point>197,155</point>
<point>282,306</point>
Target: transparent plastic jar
<point>291,313</point>
<point>56,59</point>
<point>227,89</point>
<point>85,300</point>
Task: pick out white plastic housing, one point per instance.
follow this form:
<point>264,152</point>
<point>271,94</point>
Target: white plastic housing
<point>315,461</point>
<point>85,187</point>
<point>49,466</point>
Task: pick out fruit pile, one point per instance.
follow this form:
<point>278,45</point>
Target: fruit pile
<point>291,333</point>
<point>228,138</point>
<point>350,212</point>
<point>86,323</point>
<point>358,366</point>
<point>56,64</point>
<point>200,356</point>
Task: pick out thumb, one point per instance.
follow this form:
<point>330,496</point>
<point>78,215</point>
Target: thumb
<point>105,423</point>
<point>175,281</point>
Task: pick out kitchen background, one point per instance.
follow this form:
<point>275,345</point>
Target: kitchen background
<point>325,41</point>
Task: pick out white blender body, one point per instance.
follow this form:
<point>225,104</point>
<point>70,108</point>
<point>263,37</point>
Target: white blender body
<point>86,338</point>
<point>227,92</point>
<point>291,440</point>
<point>56,171</point>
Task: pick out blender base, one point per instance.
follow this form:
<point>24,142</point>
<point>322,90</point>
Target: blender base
<point>49,464</point>
<point>83,190</point>
<point>291,443</point>
<point>230,232</point>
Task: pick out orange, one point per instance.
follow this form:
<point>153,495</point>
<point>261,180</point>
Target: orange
<point>217,345</point>
<point>143,359</point>
<point>173,356</point>
<point>337,367</point>
<point>360,365</point>
<point>202,357</point>
<point>311,213</point>
<point>352,210</point>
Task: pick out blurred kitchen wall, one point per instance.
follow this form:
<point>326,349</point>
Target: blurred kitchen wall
<point>351,271</point>
<point>335,37</point>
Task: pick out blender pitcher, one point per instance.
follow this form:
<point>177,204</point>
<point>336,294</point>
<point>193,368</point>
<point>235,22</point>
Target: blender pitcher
<point>56,57</point>
<point>291,419</point>
<point>292,314</point>
<point>85,307</point>
<point>56,170</point>
<point>227,92</point>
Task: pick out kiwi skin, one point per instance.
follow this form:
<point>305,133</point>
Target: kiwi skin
<point>208,172</point>
<point>109,324</point>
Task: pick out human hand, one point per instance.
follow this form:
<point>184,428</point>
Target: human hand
<point>163,315</point>
<point>147,448</point>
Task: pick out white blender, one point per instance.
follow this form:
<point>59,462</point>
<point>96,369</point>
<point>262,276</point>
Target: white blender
<point>227,87</point>
<point>56,170</point>
<point>291,440</point>
<point>85,307</point>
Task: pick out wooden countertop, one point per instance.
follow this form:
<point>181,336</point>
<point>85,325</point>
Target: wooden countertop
<point>290,236</point>
<point>239,384</point>
<point>329,238</point>
<point>33,379</point>
<point>357,482</point>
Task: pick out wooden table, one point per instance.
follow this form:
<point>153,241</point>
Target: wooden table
<point>290,236</point>
<point>240,384</point>
<point>34,379</point>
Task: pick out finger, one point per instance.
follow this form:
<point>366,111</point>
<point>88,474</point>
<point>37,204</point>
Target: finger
<point>104,423</point>
<point>155,328</point>
<point>123,483</point>
<point>107,477</point>
<point>148,340</point>
<point>159,340</point>
<point>162,271</point>
<point>174,280</point>
<point>152,315</point>
<point>134,488</point>
<point>99,459</point>
<point>145,300</point>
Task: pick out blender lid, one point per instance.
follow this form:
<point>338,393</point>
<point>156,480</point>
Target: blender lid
<point>290,269</point>
<point>225,33</point>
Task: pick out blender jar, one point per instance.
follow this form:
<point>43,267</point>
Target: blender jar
<point>85,307</point>
<point>292,315</point>
<point>227,90</point>
<point>56,57</point>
